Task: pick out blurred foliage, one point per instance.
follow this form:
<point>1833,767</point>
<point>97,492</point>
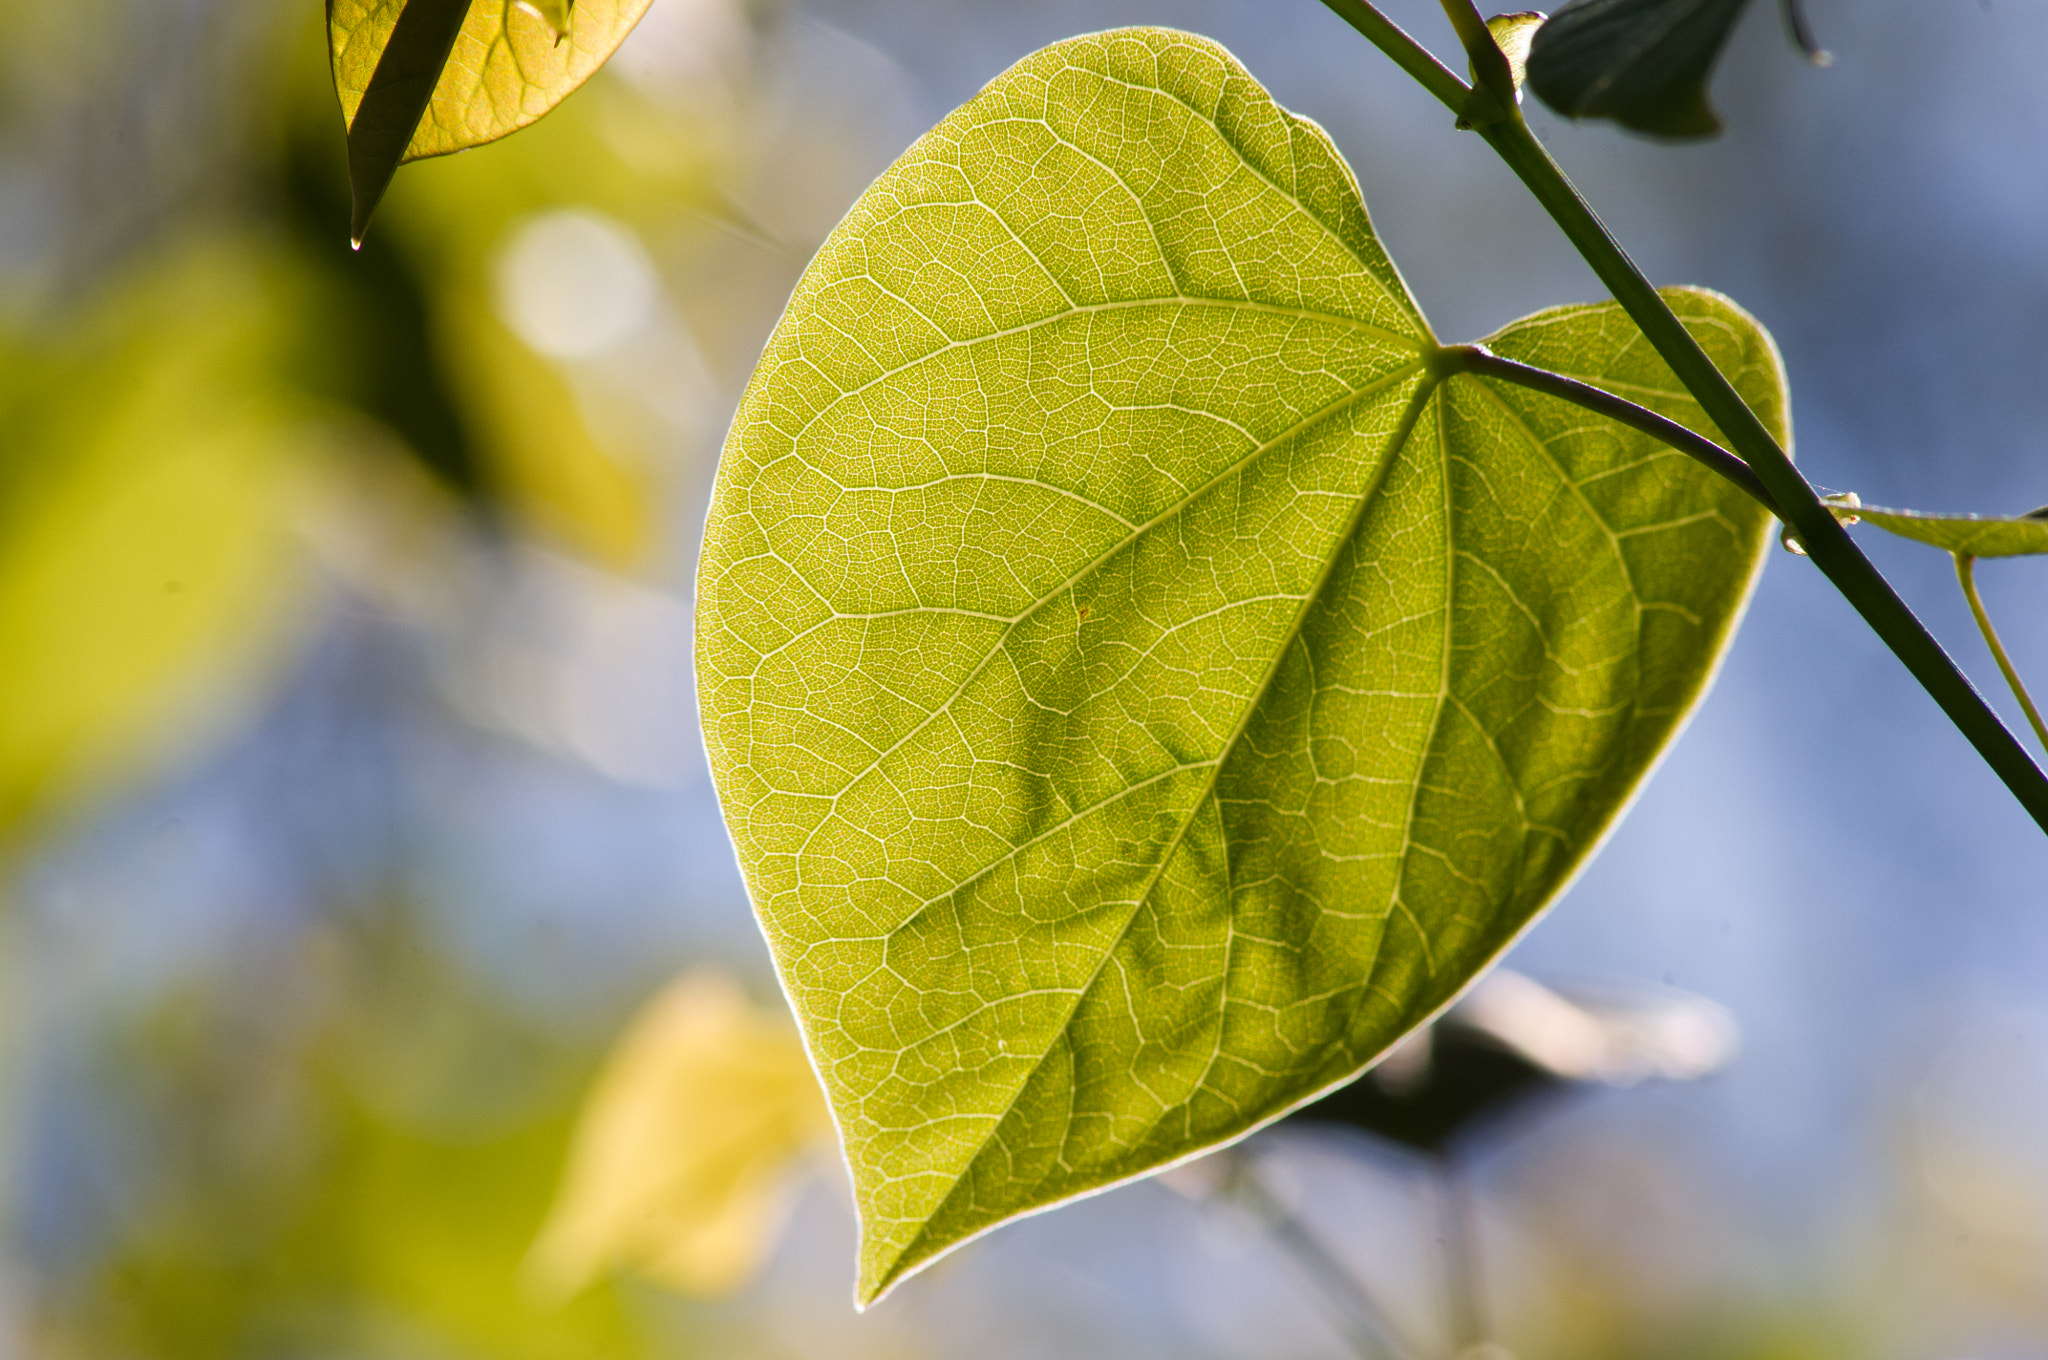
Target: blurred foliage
<point>684,1161</point>
<point>363,1179</point>
<point>147,478</point>
<point>171,424</point>
<point>412,335</point>
<point>1643,63</point>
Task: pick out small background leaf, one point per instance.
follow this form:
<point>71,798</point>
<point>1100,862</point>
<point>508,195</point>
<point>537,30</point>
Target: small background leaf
<point>505,66</point>
<point>1513,33</point>
<point>1137,695</point>
<point>684,1158</point>
<point>1643,63</point>
<point>1971,535</point>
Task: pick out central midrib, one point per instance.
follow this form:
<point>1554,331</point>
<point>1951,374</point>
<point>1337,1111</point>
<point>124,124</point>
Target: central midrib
<point>1310,598</point>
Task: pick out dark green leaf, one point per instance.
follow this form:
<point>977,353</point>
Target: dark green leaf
<point>1642,63</point>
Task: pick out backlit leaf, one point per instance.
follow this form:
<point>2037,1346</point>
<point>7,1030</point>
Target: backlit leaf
<point>1970,535</point>
<point>1140,690</point>
<point>421,78</point>
<point>1642,63</point>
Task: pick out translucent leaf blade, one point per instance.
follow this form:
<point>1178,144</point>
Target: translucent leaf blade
<point>1079,636</point>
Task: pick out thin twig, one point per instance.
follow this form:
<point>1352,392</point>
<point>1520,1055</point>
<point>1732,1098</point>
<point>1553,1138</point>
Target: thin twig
<point>1966,572</point>
<point>1364,1324</point>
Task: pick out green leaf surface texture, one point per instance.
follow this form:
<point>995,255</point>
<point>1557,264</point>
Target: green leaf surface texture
<point>1970,535</point>
<point>1139,688</point>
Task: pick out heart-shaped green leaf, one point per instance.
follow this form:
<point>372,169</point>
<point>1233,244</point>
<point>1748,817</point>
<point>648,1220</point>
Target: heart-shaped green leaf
<point>421,78</point>
<point>1970,535</point>
<point>1642,63</point>
<point>1140,686</point>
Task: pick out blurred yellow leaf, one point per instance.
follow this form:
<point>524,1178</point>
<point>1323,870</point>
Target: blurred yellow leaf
<point>147,471</point>
<point>684,1160</point>
<point>421,78</point>
<point>546,463</point>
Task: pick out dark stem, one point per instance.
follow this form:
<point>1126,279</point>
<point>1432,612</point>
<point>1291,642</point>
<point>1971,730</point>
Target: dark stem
<point>1824,539</point>
<point>1477,359</point>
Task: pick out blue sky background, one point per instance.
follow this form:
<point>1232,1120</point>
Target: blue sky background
<point>1820,853</point>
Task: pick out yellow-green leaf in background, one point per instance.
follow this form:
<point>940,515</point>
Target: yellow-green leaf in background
<point>1142,681</point>
<point>149,467</point>
<point>421,78</point>
<point>684,1159</point>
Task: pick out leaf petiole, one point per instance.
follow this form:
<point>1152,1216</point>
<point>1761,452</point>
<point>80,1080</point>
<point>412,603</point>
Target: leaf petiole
<point>1966,572</point>
<point>1479,360</point>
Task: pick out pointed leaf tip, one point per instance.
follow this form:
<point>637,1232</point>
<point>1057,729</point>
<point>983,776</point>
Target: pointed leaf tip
<point>553,13</point>
<point>1802,37</point>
